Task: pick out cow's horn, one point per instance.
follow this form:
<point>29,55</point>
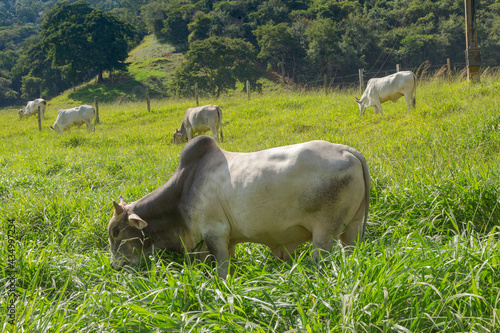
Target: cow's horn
<point>118,209</point>
<point>122,201</point>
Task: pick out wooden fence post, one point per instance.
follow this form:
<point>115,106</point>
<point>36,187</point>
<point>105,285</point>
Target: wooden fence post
<point>196,93</point>
<point>39,119</point>
<point>448,64</point>
<point>361,81</point>
<point>96,110</point>
<point>248,89</point>
<point>398,67</point>
<point>147,99</point>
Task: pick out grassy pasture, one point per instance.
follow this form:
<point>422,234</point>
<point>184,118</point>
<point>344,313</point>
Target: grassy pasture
<point>430,261</point>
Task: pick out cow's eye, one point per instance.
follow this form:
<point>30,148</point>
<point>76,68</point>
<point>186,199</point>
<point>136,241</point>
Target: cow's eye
<point>116,231</point>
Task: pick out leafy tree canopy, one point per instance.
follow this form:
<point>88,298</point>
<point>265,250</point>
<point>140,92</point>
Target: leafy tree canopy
<point>216,64</point>
<point>300,39</point>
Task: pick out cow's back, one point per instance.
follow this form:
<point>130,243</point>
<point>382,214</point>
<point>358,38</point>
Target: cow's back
<point>201,118</point>
<point>74,116</point>
<point>391,87</point>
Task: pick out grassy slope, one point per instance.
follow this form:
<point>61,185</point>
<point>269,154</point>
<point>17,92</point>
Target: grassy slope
<point>430,261</point>
<point>151,65</point>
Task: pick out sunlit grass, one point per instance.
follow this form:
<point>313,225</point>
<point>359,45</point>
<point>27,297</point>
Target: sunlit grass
<point>429,263</point>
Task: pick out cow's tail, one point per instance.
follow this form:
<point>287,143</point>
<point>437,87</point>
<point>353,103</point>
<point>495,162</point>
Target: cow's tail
<point>414,92</point>
<point>367,180</point>
<point>219,113</point>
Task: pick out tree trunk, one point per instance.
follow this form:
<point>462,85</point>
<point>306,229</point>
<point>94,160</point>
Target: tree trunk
<point>99,77</point>
<point>283,67</point>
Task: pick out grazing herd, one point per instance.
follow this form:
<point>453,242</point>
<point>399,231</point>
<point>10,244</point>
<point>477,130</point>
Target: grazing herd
<point>280,197</point>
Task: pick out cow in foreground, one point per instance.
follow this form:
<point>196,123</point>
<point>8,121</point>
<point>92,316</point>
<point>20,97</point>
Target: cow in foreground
<point>392,87</point>
<point>199,120</point>
<point>76,116</point>
<point>280,197</point>
<point>32,108</point>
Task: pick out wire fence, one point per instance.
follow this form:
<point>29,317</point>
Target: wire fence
<point>422,71</point>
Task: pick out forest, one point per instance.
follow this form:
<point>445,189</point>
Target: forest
<point>47,47</point>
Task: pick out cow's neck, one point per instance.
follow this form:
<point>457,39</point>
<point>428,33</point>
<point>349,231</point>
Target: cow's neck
<point>160,210</point>
<point>183,129</point>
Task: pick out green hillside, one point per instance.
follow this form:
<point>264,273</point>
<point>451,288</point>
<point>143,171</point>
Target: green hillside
<point>429,263</point>
<point>152,65</point>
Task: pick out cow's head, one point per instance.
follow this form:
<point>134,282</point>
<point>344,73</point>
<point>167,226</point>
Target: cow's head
<point>56,128</point>
<point>361,106</point>
<point>178,137</point>
<point>126,237</point>
<point>21,112</point>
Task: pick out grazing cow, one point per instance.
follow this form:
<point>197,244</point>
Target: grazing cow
<point>32,108</point>
<point>76,116</point>
<point>280,197</point>
<point>199,120</point>
<point>387,88</point>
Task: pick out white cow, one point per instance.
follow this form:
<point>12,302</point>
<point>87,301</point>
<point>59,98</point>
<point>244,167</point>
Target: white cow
<point>392,87</point>
<point>280,197</point>
<point>76,116</point>
<point>32,108</point>
<point>200,120</point>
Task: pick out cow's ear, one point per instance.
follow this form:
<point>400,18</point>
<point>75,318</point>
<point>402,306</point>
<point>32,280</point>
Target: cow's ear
<point>118,209</point>
<point>135,221</point>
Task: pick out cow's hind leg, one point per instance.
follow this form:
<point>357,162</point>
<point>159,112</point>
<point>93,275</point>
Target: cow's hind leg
<point>410,101</point>
<point>215,134</point>
<point>89,126</point>
<point>353,231</point>
<point>324,235</point>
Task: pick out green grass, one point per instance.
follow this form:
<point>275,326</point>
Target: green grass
<point>430,261</point>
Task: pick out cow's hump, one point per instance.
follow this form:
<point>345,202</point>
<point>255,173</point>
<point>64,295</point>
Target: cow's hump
<point>196,149</point>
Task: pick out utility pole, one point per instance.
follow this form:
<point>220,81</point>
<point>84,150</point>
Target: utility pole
<point>472,51</point>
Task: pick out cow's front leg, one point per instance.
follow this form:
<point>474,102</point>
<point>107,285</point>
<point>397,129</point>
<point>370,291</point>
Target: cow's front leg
<point>378,107</point>
<point>219,247</point>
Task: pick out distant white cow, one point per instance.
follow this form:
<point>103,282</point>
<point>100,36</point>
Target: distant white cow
<point>76,116</point>
<point>387,88</point>
<point>200,120</point>
<point>32,108</point>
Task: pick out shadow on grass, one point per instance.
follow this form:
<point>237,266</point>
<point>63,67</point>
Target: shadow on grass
<point>123,88</point>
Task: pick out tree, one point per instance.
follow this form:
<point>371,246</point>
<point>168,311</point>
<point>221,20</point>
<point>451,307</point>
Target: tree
<point>175,26</point>
<point>6,93</point>
<point>109,38</point>
<point>323,45</point>
<point>216,64</point>
<point>277,45</point>
<point>36,75</point>
<point>200,27</point>
<point>81,39</point>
